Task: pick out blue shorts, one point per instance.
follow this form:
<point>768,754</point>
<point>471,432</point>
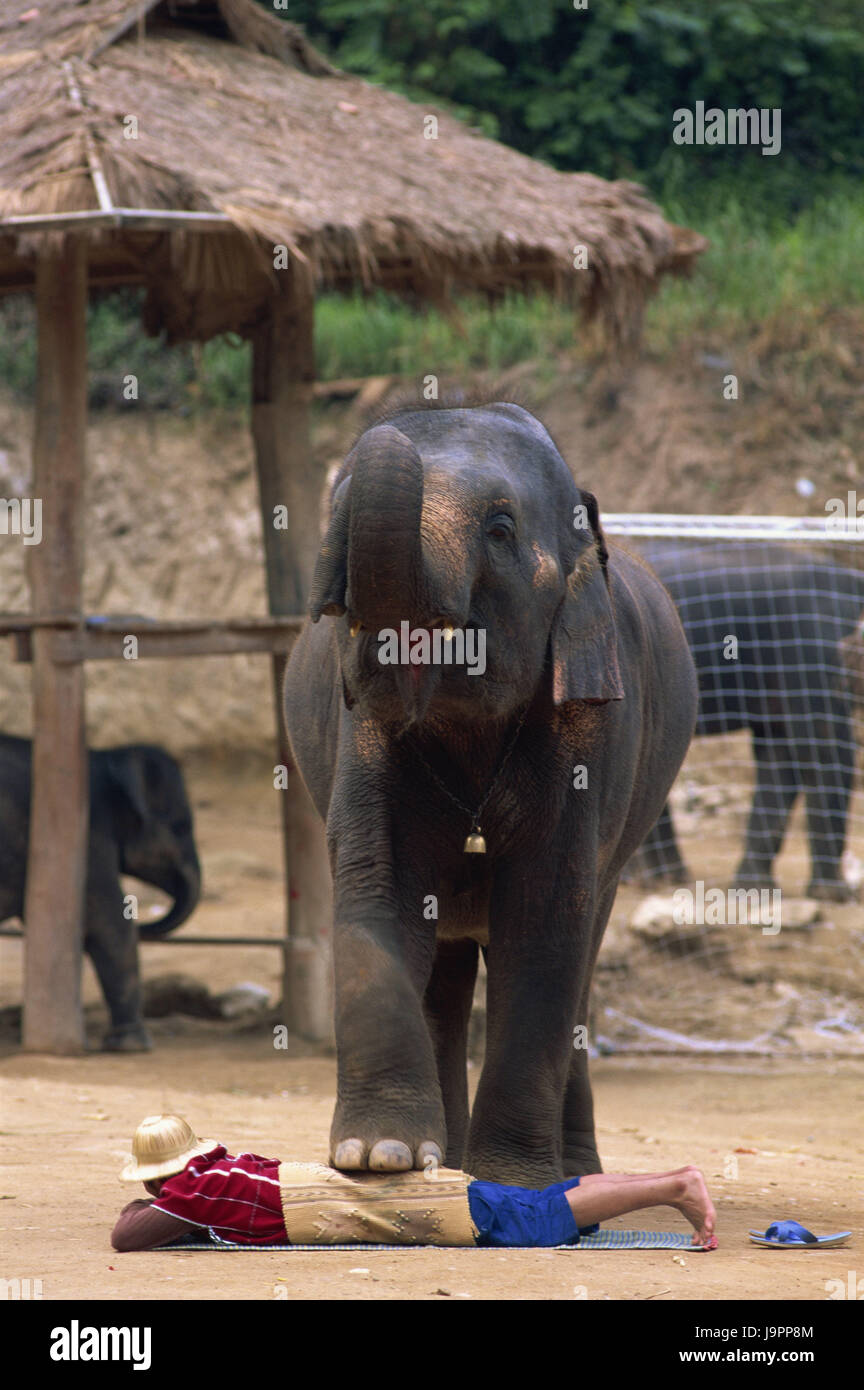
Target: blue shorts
<point>519,1216</point>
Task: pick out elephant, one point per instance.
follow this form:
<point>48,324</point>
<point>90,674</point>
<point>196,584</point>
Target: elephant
<point>788,680</point>
<point>477,804</point>
<point>852,648</point>
<point>141,825</point>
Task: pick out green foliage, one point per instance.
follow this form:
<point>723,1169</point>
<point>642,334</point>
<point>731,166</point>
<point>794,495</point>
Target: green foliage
<point>596,88</point>
<point>361,336</point>
<point>760,269</point>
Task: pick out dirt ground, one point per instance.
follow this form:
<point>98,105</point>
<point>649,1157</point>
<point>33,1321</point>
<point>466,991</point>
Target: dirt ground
<point>68,1123</point>
<point>777,1136</point>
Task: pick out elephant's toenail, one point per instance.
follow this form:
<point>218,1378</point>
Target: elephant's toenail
<point>429,1155</point>
<point>350,1155</point>
<point>390,1156</point>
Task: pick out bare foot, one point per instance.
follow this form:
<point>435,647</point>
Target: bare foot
<point>697,1206</point>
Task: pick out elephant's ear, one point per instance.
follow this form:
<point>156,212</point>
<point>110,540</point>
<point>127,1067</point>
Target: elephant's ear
<point>584,635</point>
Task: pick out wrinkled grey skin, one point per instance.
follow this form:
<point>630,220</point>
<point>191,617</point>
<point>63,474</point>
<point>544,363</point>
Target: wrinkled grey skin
<point>466,517</point>
<point>141,825</point>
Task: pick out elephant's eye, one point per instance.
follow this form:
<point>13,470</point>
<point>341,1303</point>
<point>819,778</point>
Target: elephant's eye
<point>500,527</point>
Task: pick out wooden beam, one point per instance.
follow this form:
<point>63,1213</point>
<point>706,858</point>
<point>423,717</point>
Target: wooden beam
<point>283,369</point>
<point>106,641</point>
<point>59,815</point>
<point>18,280</point>
<point>121,624</point>
<point>137,219</point>
<point>15,933</point>
<point>95,645</point>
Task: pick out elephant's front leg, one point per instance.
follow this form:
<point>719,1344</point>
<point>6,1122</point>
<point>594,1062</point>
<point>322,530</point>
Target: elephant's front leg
<point>111,942</point>
<point>540,933</point>
<point>389,1113</point>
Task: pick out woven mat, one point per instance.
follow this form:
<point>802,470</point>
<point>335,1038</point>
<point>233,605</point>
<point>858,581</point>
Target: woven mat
<point>603,1240</point>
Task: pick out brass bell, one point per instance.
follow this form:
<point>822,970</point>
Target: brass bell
<point>475,844</point>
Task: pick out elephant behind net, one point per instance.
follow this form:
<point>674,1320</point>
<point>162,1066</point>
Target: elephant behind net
<point>765,821</point>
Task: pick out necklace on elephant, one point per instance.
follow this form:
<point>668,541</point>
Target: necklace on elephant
<point>476,842</point>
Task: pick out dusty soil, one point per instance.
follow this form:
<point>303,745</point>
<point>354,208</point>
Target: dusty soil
<point>68,1123</point>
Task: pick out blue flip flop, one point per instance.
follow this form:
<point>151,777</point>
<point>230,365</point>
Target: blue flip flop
<point>791,1235</point>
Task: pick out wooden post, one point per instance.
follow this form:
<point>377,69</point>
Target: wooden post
<point>283,370</point>
<point>59,814</point>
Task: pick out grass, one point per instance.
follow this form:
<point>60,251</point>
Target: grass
<point>763,268</point>
<point>360,337</point>
<point>761,271</point>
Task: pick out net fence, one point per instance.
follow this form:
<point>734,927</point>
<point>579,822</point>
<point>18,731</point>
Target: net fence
<point>739,925</point>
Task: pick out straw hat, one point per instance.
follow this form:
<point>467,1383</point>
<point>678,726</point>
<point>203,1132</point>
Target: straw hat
<point>162,1146</point>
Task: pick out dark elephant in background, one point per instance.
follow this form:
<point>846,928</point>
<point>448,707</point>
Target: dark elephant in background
<point>789,684</point>
<point>141,825</point>
<point>853,660</point>
<point>557,757</point>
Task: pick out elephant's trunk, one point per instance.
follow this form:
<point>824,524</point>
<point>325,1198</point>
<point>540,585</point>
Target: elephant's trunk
<point>385,563</point>
<point>185,889</point>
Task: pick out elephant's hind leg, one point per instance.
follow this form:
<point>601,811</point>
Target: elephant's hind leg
<point>447,1004</point>
<point>828,774</point>
<point>777,786</point>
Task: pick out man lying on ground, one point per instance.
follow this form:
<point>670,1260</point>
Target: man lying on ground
<point>196,1186</point>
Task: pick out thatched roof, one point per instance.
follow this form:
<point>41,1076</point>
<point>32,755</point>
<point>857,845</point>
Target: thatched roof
<point>238,117</point>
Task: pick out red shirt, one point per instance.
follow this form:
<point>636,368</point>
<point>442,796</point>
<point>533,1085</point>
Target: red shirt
<point>236,1199</point>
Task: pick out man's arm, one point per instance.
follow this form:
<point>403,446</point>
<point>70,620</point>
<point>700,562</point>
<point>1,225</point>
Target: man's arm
<point>140,1227</point>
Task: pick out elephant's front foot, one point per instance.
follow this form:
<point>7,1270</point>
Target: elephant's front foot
<point>130,1038</point>
<point>390,1144</point>
<point>835,890</point>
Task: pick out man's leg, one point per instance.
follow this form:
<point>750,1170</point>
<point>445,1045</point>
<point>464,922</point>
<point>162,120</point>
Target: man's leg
<point>601,1196</point>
